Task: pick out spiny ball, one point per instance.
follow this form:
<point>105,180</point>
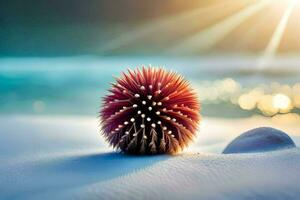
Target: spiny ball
<point>150,111</point>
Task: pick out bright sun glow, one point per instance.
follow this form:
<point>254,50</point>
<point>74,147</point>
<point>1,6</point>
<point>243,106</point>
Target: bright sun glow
<point>276,38</point>
<point>281,101</point>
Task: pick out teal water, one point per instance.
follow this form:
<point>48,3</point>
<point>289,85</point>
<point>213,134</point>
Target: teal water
<point>75,85</point>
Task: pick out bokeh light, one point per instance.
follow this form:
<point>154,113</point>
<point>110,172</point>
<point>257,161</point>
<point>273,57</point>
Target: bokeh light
<point>266,99</point>
<point>281,101</point>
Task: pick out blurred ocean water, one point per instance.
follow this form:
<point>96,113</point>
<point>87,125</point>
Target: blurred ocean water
<point>75,85</point>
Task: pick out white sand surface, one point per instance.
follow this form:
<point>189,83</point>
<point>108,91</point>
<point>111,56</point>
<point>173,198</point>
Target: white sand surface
<point>65,157</point>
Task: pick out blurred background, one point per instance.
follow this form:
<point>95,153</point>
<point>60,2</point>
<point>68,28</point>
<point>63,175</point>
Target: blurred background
<point>241,56</point>
<point>58,58</point>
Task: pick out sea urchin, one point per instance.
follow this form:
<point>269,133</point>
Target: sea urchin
<point>150,111</point>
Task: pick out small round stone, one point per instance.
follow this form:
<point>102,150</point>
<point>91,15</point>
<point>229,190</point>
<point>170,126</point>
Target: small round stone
<point>259,140</point>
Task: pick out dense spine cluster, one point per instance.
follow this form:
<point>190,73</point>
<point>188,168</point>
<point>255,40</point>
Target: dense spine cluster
<point>150,111</point>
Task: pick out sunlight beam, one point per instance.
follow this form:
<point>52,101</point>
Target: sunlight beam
<point>154,26</point>
<point>276,38</point>
<point>212,35</point>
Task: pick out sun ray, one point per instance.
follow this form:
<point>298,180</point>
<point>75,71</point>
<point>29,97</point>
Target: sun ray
<point>212,35</point>
<point>154,26</point>
<point>252,35</point>
<point>276,38</point>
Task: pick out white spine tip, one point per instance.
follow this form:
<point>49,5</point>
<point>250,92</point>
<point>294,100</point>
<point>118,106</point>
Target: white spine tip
<point>139,112</point>
<point>126,122</point>
<point>149,97</point>
<point>159,122</point>
<point>159,103</point>
<point>142,87</point>
<point>157,112</point>
<point>154,103</point>
<point>135,134</point>
<point>142,125</point>
<point>150,86</point>
<point>148,119</point>
<point>150,108</point>
<point>145,137</point>
<point>143,115</point>
<point>136,95</point>
<point>168,118</point>
<point>153,125</point>
<point>164,128</point>
<point>169,132</point>
<point>174,119</point>
<point>132,119</point>
<point>134,105</point>
<point>126,132</point>
<point>144,102</point>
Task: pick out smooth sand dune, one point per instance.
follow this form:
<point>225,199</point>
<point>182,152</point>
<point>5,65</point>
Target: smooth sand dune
<point>65,158</point>
<point>201,176</point>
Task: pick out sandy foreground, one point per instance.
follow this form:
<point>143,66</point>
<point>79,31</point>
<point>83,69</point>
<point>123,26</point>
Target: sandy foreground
<point>65,157</point>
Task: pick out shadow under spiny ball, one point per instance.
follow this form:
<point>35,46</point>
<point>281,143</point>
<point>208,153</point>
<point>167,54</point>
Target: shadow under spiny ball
<point>98,167</point>
<point>150,111</point>
<point>259,140</point>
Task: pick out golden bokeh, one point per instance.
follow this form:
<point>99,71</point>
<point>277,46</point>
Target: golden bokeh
<point>282,102</point>
<point>268,99</point>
